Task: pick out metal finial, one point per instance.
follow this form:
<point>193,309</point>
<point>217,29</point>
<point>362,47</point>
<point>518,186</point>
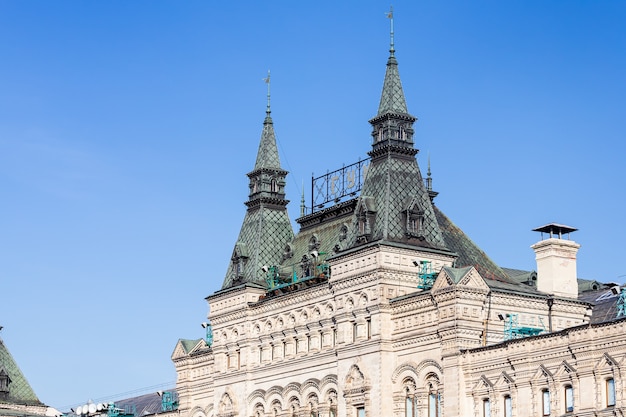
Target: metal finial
<point>390,17</point>
<point>267,81</point>
<point>302,206</point>
<point>429,180</point>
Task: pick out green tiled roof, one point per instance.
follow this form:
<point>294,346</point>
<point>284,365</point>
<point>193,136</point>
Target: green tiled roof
<point>457,274</point>
<point>189,344</point>
<point>469,254</point>
<point>20,391</point>
<point>392,98</point>
<point>266,228</point>
<point>267,156</point>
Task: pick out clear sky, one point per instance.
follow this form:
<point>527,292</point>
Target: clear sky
<point>127,128</point>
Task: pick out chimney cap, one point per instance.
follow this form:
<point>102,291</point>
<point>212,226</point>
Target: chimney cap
<point>555,229</point>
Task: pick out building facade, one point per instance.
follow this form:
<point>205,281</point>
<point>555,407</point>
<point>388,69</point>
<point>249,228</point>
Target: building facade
<point>381,306</point>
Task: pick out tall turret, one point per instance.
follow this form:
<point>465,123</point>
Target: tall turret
<point>266,228</point>
<point>395,204</point>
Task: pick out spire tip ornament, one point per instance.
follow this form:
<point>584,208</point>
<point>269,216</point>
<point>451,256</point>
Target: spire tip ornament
<point>389,15</point>
<point>267,81</point>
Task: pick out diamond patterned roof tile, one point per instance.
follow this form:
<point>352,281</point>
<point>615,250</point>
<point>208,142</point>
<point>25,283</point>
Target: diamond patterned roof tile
<point>392,98</point>
<point>20,391</point>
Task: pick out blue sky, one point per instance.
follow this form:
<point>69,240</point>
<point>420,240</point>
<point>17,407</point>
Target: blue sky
<point>127,128</point>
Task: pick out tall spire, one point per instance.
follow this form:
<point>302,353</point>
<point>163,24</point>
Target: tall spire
<point>266,227</point>
<point>267,157</point>
<point>392,98</point>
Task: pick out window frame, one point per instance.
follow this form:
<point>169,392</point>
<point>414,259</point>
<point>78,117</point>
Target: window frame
<point>545,402</point>
<point>610,392</point>
<point>568,392</point>
<point>508,406</point>
<point>486,407</point>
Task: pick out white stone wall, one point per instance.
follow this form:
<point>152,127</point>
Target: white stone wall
<point>369,338</point>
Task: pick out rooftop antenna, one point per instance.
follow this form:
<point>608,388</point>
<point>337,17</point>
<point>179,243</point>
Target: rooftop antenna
<point>390,17</point>
<point>267,81</point>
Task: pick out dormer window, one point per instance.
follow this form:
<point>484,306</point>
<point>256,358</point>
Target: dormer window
<point>238,261</point>
<point>5,380</point>
<point>306,266</point>
<point>414,221</point>
<point>314,243</point>
<point>288,252</point>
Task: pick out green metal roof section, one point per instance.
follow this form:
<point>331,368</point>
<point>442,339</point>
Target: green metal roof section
<point>189,344</point>
<point>266,227</point>
<point>471,255</point>
<point>392,98</point>
<point>267,156</point>
<point>457,274</point>
<point>20,391</point>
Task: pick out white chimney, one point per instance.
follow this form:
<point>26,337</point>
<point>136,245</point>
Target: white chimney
<point>556,261</point>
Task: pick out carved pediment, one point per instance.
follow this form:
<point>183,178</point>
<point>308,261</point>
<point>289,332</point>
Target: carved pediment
<point>543,373</point>
<point>565,369</point>
<point>355,378</point>
<point>467,277</point>
<point>179,351</point>
<point>482,385</point>
<point>607,362</point>
<point>505,380</point>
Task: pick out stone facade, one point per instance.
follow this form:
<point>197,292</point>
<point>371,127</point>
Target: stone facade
<point>340,320</point>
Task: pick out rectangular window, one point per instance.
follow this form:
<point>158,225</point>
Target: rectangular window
<point>569,399</point>
<point>354,332</point>
<point>408,407</point>
<point>486,408</point>
<point>545,398</point>
<point>610,392</point>
<point>360,412</point>
<point>433,405</point>
<point>369,328</point>
<point>508,406</point>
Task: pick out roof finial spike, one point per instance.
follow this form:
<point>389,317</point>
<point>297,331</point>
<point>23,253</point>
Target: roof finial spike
<point>267,81</point>
<point>390,17</point>
<point>302,206</point>
<point>429,180</point>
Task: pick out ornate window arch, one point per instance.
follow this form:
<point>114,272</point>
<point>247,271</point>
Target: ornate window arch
<point>409,388</point>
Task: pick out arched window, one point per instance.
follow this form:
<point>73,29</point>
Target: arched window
<point>434,396</point>
<point>332,403</point>
<point>410,400</point>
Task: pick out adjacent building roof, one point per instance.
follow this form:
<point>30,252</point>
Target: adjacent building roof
<point>20,391</point>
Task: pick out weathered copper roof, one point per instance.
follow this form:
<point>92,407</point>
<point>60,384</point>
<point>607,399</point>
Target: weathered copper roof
<point>392,98</point>
<point>20,391</point>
